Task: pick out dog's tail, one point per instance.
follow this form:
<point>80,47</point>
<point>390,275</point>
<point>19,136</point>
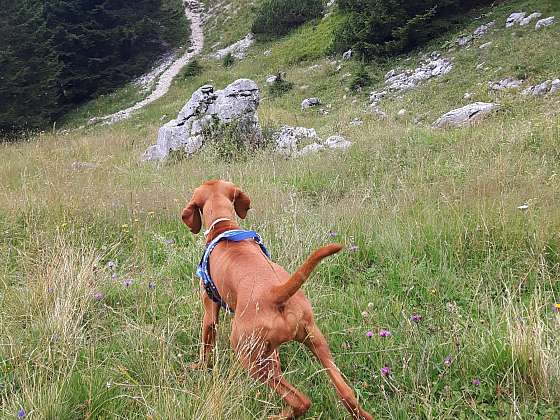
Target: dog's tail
<point>285,291</point>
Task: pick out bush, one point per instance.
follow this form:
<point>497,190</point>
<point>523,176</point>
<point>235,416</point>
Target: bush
<point>360,79</point>
<point>280,86</point>
<point>388,27</point>
<point>228,60</point>
<point>278,17</point>
<point>192,69</point>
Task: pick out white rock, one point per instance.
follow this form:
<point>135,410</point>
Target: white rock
<point>466,115</point>
<point>267,53</point>
<point>402,112</point>
<point>356,122</point>
<point>480,66</point>
<point>545,22</point>
<point>464,40</point>
<point>347,55</point>
<point>271,79</point>
<point>79,166</point>
<point>309,102</point>
<point>237,49</point>
<point>483,29</point>
<point>337,142</point>
<point>467,95</point>
<point>514,18</point>
<point>555,86</point>
<point>485,45</point>
<point>236,104</point>
<point>523,207</point>
<point>538,90</point>
<point>310,148</point>
<point>390,74</point>
<point>509,83</point>
<point>528,19</point>
<point>288,138</point>
<point>378,112</point>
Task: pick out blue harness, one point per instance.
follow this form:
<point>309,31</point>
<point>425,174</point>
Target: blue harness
<point>203,270</point>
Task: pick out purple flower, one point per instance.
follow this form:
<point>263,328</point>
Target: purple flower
<point>384,333</point>
<point>151,285</point>
<point>114,276</point>
<point>447,361</point>
<point>369,334</point>
<point>98,296</point>
<point>353,248</point>
<point>385,371</point>
<point>476,382</point>
<point>127,283</point>
<point>21,413</point>
<point>111,265</point>
<point>332,233</point>
<point>416,318</point>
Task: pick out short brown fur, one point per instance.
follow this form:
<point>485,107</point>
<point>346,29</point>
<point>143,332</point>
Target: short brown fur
<point>270,308</point>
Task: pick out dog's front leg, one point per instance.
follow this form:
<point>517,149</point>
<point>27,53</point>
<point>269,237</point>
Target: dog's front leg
<point>209,329</point>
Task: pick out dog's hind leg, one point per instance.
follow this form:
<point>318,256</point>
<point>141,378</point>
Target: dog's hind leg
<point>209,330</point>
<point>318,345</point>
<point>265,367</point>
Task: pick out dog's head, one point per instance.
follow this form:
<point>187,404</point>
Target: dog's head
<point>212,200</point>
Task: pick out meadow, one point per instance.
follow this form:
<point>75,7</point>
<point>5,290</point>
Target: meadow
<point>99,302</point>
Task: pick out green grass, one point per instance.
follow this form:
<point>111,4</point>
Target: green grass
<point>433,214</point>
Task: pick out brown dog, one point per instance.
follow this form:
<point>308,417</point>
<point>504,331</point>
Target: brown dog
<point>270,309</point>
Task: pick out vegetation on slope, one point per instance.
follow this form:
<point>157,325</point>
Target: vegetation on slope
<point>431,214</point>
<point>61,53</point>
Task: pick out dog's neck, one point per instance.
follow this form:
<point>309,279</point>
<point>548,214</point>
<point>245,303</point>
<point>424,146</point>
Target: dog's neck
<point>219,226</point>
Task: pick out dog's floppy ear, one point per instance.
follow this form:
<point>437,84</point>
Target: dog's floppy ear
<point>241,203</point>
<point>191,217</point>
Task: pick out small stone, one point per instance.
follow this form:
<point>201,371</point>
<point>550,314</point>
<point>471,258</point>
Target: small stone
<point>555,86</point>
<point>356,122</point>
<point>347,55</point>
<point>466,115</point>
<point>538,90</point>
<point>310,102</point>
<point>509,83</point>
<point>545,22</point>
<point>485,45</point>
<point>401,112</point>
<point>271,79</point>
<point>337,142</point>
<point>514,18</point>
<point>467,95</point>
<point>528,19</point>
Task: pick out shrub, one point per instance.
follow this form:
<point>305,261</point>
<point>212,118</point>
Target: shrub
<point>389,27</point>
<point>360,79</point>
<point>280,86</point>
<point>278,17</point>
<point>228,60</point>
<point>192,69</point>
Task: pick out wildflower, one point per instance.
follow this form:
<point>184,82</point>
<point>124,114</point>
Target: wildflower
<point>151,285</point>
<point>370,305</point>
<point>353,248</point>
<point>127,282</point>
<point>114,276</point>
<point>111,265</point>
<point>124,226</point>
<point>21,413</point>
<point>447,361</point>
<point>385,371</point>
<point>365,314</point>
<point>98,296</point>
<point>416,318</point>
<point>369,334</point>
<point>476,382</point>
<point>556,307</point>
<point>332,233</point>
<point>384,333</point>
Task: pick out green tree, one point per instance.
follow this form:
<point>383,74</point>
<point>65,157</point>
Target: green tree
<point>29,68</point>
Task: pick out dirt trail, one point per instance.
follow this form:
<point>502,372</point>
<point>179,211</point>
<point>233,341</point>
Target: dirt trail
<point>192,11</point>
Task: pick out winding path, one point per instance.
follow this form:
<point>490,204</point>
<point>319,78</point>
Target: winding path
<point>192,11</point>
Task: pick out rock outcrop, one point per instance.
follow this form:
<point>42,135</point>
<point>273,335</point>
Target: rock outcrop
<point>395,81</point>
<point>290,141</point>
<point>238,49</point>
<point>545,22</point>
<point>504,84</point>
<point>310,102</point>
<point>235,105</point>
<point>514,18</point>
<point>466,115</point>
<point>548,86</point>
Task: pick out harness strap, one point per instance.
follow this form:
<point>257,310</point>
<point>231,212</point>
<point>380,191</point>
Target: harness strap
<point>203,270</point>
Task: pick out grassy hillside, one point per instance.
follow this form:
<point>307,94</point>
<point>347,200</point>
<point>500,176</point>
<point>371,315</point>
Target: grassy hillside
<point>432,216</point>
